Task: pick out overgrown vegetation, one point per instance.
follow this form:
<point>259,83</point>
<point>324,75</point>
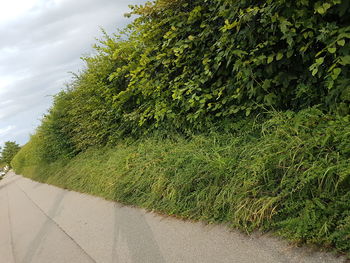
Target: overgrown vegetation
<point>224,111</point>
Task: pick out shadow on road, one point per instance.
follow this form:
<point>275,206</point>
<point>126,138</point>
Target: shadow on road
<point>44,230</point>
<point>131,227</point>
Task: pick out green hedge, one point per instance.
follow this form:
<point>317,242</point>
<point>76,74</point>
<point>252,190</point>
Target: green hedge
<point>188,65</point>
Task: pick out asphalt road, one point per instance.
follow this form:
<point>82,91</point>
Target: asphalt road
<point>42,223</point>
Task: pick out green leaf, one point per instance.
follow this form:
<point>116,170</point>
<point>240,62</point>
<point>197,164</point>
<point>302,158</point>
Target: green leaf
<point>320,10</point>
<point>191,38</point>
<point>270,98</point>
<point>345,60</point>
<point>279,56</point>
<point>267,84</point>
<point>326,6</point>
<point>323,8</point>
<point>332,50</point>
<point>336,73</point>
<point>319,61</point>
<point>341,42</point>
<point>270,59</point>
<point>289,53</point>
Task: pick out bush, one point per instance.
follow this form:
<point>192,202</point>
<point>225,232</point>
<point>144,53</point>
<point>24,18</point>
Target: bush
<point>208,60</point>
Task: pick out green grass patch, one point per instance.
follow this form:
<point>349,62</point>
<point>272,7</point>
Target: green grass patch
<point>289,174</point>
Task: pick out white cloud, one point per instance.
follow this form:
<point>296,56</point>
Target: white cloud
<point>6,130</point>
<point>11,9</point>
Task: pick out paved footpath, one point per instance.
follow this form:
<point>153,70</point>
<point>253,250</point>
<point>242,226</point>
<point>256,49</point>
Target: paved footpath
<point>45,224</point>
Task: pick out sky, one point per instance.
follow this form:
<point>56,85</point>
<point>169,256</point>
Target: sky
<point>41,42</point>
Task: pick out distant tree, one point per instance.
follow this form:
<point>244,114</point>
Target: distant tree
<point>8,152</point>
<point>2,164</point>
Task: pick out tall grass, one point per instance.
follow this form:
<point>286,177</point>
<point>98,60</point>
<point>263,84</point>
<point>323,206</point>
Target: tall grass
<point>289,174</point>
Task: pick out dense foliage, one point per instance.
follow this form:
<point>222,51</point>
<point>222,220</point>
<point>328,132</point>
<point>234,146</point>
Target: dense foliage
<point>186,65</point>
<point>185,70</point>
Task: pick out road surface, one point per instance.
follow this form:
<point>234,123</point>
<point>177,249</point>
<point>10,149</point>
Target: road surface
<point>44,224</point>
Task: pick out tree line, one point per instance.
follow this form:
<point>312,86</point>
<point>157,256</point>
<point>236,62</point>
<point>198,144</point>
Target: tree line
<point>7,153</point>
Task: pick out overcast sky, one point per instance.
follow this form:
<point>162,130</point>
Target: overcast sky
<point>41,41</point>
